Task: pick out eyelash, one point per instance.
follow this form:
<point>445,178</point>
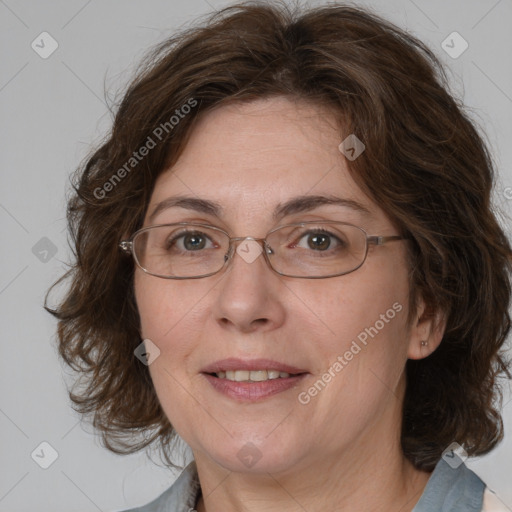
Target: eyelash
<point>172,242</point>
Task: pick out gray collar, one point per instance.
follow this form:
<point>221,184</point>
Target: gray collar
<point>451,490</point>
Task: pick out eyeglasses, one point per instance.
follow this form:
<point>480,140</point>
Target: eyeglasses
<point>309,250</point>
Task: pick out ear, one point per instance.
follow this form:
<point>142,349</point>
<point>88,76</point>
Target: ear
<point>426,331</point>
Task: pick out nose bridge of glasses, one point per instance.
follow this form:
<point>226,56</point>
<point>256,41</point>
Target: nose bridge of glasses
<point>233,241</point>
<point>234,238</point>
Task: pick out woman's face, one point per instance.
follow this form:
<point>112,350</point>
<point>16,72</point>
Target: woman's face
<point>249,159</point>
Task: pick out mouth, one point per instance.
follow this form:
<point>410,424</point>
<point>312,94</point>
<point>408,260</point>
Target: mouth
<point>251,380</point>
<point>252,376</point>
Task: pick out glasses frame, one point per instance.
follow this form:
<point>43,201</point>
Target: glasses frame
<point>128,246</point>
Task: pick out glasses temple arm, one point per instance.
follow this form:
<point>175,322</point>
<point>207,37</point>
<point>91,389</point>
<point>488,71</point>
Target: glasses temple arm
<point>380,240</point>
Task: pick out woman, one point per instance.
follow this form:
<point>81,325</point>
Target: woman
<point>287,256</point>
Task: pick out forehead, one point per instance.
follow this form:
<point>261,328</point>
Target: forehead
<point>252,157</point>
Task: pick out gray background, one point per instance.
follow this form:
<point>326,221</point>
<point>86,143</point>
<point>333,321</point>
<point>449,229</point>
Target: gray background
<point>51,111</point>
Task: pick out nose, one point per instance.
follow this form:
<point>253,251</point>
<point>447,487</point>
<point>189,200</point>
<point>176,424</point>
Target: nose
<point>249,294</point>
<point>247,247</point>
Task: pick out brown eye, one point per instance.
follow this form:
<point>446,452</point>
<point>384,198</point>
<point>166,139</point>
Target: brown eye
<point>320,240</point>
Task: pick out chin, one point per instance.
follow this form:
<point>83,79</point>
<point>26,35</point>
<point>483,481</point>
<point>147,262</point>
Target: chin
<point>257,457</point>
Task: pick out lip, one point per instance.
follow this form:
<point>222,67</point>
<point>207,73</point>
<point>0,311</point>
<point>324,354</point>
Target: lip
<point>252,391</point>
<point>233,363</point>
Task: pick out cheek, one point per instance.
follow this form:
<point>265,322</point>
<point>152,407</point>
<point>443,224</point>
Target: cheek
<point>161,304</point>
<point>362,365</point>
<point>355,307</point>
<point>164,320</point>
<point>364,318</point>
<point>172,317</point>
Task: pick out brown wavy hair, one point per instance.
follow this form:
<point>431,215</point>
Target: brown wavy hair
<point>425,165</point>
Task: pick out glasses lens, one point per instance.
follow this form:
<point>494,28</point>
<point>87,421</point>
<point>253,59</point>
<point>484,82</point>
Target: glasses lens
<point>317,249</point>
<point>181,251</point>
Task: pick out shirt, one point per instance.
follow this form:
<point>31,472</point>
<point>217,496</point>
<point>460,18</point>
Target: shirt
<point>448,490</point>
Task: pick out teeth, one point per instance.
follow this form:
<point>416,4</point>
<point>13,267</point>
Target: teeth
<point>237,375</point>
<point>258,376</point>
<point>252,376</point>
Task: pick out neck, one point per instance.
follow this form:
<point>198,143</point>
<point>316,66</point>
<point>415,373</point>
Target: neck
<point>371,480</point>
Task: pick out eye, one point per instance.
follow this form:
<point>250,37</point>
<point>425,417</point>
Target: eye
<point>190,241</point>
<point>321,240</point>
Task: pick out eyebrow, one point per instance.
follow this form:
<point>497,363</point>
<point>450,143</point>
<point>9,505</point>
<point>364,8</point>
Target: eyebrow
<point>297,204</point>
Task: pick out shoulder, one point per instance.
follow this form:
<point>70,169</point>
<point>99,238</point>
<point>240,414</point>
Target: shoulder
<point>180,497</point>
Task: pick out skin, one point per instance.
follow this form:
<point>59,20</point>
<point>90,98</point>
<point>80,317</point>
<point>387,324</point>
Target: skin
<point>340,451</point>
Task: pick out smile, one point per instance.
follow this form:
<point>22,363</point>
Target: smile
<point>252,376</point>
<point>250,380</point>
